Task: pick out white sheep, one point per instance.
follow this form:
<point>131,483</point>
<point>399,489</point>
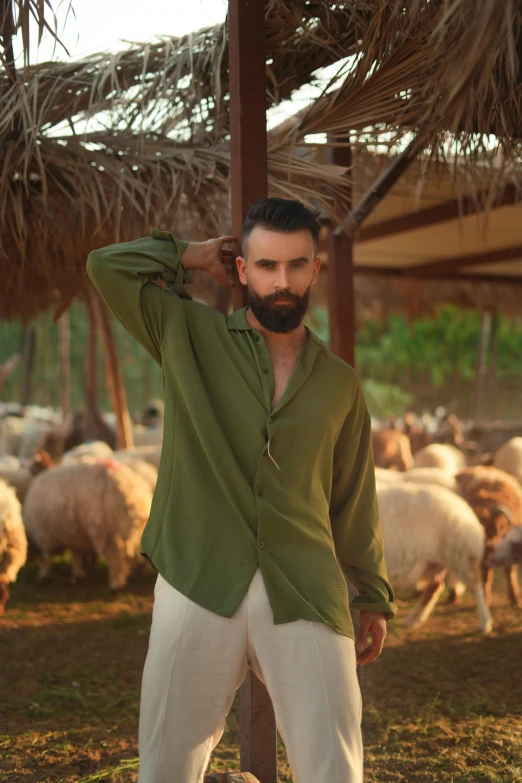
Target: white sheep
<point>150,454</point>
<point>509,458</point>
<point>144,469</point>
<point>99,508</point>
<point>437,476</point>
<point>427,531</point>
<point>13,541</point>
<point>440,455</point>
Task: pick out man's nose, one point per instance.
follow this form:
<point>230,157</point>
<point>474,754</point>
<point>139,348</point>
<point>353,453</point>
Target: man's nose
<point>281,281</point>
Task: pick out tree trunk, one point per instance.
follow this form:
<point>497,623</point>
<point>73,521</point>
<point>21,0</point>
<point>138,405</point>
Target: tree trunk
<point>114,376</point>
<point>91,370</point>
<point>65,363</point>
<point>29,348</point>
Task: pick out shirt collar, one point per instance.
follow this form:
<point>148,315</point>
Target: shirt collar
<point>238,321</point>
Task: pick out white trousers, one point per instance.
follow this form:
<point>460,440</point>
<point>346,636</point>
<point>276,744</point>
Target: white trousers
<point>196,661</point>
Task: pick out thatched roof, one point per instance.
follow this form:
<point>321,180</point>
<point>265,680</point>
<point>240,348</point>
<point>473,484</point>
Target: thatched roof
<point>445,70</point>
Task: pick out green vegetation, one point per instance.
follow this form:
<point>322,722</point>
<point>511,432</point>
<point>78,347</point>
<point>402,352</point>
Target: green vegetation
<point>428,362</point>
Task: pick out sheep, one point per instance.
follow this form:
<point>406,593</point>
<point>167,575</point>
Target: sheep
<point>392,449</point>
<point>428,530</point>
<point>150,454</point>
<point>508,552</point>
<point>418,476</point>
<point>95,448</point>
<point>99,508</point>
<point>437,476</point>
<point>386,476</point>
<point>13,540</point>
<point>509,458</point>
<point>144,469</point>
<point>496,499</point>
<point>440,455</point>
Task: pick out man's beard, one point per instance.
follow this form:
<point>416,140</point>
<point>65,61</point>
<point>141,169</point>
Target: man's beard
<point>279,318</point>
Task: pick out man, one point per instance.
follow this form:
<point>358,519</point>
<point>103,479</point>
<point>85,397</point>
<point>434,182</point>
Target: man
<point>265,496</point>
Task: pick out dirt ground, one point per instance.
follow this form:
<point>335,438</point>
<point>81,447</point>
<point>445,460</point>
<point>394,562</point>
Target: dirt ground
<point>441,704</point>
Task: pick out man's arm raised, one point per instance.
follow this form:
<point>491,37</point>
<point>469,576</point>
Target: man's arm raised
<point>122,273</point>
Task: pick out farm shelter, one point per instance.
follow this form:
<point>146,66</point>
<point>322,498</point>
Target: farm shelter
<point>438,82</point>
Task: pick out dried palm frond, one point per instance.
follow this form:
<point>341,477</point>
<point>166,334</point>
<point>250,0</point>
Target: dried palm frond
<point>148,127</point>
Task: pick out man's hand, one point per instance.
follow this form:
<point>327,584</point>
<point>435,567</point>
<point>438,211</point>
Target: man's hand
<point>216,260</point>
<point>370,624</point>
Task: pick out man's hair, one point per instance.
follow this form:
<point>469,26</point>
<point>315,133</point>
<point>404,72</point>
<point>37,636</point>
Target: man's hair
<point>282,215</point>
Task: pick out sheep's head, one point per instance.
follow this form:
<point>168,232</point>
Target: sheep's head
<point>495,497</point>
<point>41,461</point>
<point>508,552</point>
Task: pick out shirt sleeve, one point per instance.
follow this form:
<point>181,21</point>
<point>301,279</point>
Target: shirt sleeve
<point>122,273</point>
<point>354,513</point>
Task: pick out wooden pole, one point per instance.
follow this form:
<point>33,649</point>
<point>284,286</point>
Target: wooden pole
<point>379,189</point>
<point>341,301</point>
<point>114,376</point>
<point>248,135</point>
<point>481,368</point>
<point>28,366</point>
<point>64,338</point>
<point>91,369</point>
<point>249,183</point>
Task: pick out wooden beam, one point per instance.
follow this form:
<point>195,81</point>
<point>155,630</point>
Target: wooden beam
<point>341,302</point>
<point>448,265</point>
<point>249,183</point>
<point>379,189</point>
<point>406,274</point>
<point>248,135</point>
<point>439,213</point>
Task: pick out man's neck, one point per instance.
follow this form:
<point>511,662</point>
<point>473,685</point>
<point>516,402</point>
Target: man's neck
<point>277,340</point>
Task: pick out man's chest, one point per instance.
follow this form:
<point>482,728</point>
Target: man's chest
<point>283,365</point>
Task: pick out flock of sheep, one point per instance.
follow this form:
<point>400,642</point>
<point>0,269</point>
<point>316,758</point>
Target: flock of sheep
<point>89,499</point>
<point>446,523</point>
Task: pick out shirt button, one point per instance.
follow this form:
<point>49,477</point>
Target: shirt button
<point>260,493</point>
<point>261,544</point>
<point>265,370</point>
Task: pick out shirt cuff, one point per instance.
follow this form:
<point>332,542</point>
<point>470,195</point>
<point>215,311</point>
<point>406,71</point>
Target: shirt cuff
<point>388,607</point>
<point>183,276</point>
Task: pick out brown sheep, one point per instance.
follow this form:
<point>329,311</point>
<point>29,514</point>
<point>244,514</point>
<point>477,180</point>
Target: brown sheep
<point>392,450</point>
<point>496,499</point>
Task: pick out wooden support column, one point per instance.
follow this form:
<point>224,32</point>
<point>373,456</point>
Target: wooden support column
<point>249,183</point>
<point>341,300</point>
<point>248,136</point>
<point>114,376</point>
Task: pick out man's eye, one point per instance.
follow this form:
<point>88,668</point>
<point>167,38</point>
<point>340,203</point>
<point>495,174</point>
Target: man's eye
<point>298,266</point>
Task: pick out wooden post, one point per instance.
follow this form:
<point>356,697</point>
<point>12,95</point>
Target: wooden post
<point>91,369</point>
<point>341,300</point>
<point>248,136</point>
<point>65,363</point>
<point>249,183</point>
<point>481,368</point>
<point>28,365</point>
<point>114,376</point>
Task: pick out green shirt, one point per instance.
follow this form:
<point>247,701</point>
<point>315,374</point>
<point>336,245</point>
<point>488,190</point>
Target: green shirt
<point>303,510</point>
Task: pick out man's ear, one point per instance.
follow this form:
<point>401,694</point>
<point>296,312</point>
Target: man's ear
<point>241,269</point>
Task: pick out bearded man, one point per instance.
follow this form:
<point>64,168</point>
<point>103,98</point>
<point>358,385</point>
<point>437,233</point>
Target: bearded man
<point>265,502</point>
